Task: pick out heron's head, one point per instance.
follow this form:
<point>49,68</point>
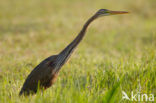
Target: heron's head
<point>106,12</point>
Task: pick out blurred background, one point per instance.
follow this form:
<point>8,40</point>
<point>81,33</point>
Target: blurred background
<point>32,30</point>
<point>51,24</point>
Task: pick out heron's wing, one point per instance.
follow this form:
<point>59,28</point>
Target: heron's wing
<point>41,74</point>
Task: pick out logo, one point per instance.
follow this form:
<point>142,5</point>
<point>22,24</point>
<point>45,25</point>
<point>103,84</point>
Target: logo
<point>137,96</point>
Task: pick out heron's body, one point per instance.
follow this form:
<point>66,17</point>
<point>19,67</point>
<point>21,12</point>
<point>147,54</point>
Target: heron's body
<point>42,74</point>
<point>45,74</point>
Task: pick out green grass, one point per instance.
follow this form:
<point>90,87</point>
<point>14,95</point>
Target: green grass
<point>118,53</point>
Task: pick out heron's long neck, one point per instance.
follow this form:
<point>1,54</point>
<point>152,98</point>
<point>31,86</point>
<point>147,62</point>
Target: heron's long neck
<point>65,53</point>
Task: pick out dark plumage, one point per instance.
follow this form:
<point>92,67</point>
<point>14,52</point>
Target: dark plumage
<point>44,75</point>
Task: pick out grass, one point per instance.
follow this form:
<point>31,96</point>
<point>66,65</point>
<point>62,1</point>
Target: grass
<point>117,54</point>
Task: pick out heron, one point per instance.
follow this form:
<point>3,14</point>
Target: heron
<point>44,74</point>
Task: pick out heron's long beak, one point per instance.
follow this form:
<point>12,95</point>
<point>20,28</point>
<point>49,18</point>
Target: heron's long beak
<point>118,12</point>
